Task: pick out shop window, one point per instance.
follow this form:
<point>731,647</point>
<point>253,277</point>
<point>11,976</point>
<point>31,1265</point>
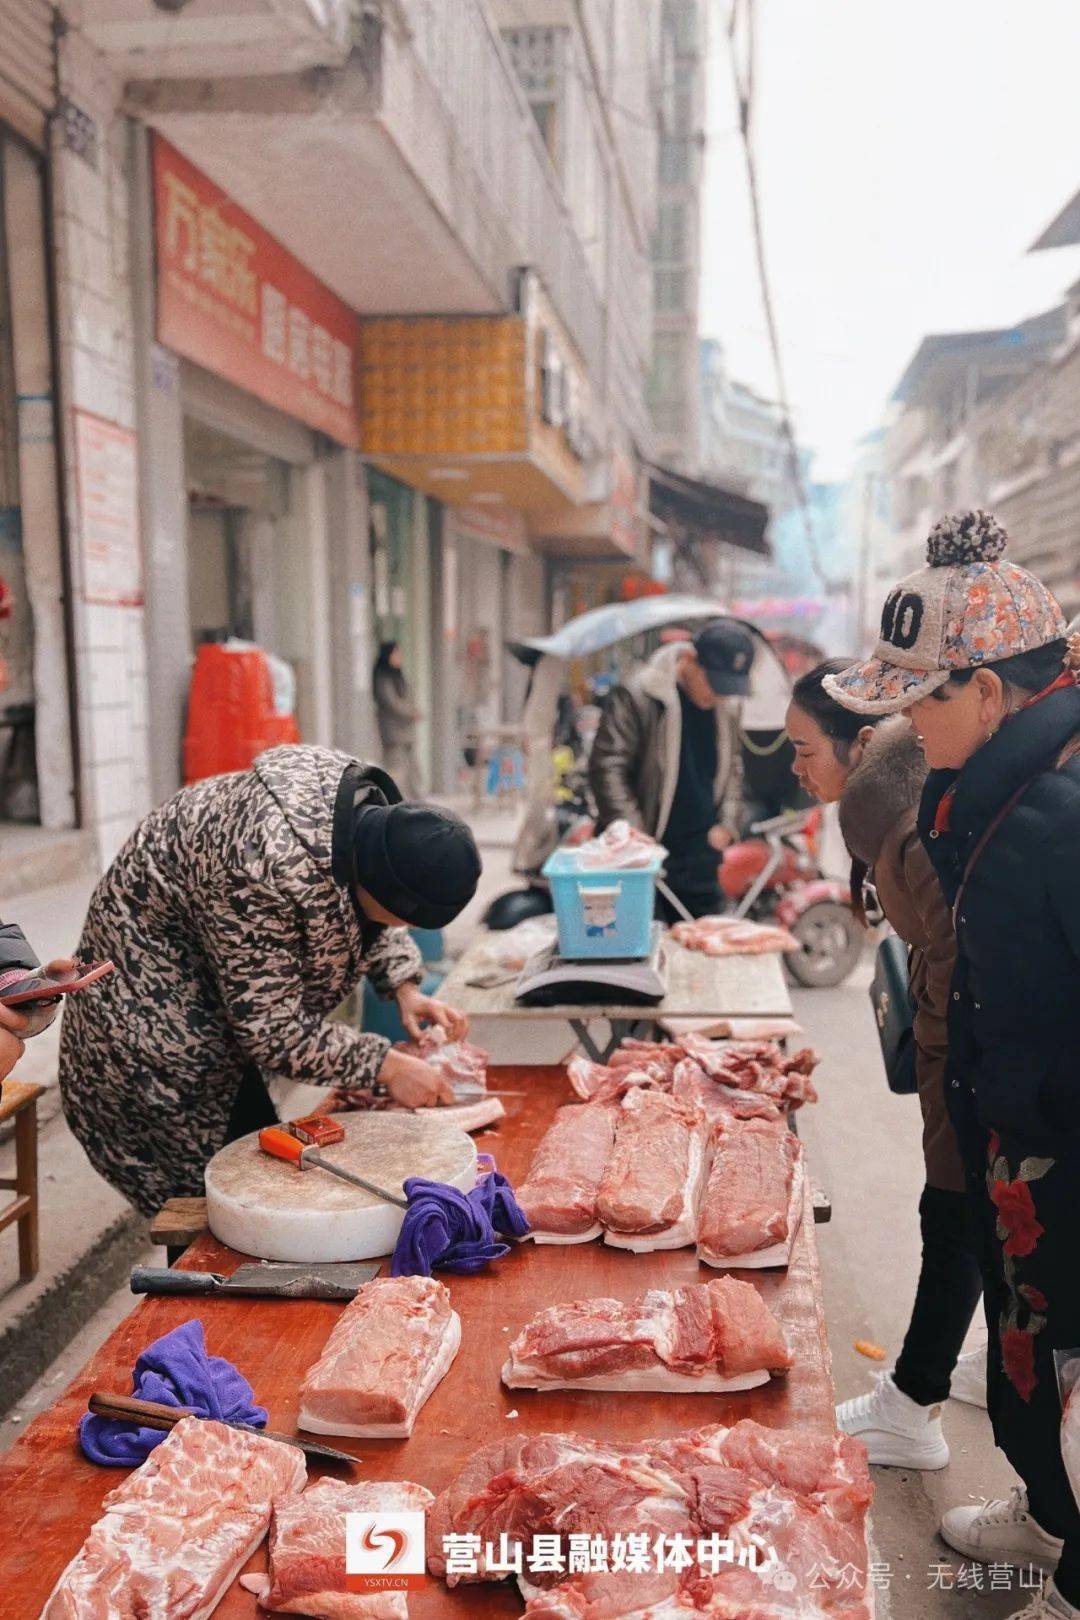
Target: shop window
<point>538,55</point>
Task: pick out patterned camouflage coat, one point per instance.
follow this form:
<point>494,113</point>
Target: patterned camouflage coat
<point>229,917</point>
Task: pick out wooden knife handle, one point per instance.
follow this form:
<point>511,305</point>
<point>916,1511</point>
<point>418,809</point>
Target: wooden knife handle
<point>129,1409</point>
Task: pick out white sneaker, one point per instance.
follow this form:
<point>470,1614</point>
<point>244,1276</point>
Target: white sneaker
<point>896,1431</point>
<point>1047,1605</point>
<point>968,1381</point>
<point>1001,1533</point>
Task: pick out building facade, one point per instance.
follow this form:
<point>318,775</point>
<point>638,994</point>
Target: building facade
<point>940,451</point>
<point>676,248</point>
<point>329,325</point>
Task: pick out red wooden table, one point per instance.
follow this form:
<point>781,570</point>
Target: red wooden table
<point>50,1495</point>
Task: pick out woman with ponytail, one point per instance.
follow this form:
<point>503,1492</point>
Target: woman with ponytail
<point>974,652</point>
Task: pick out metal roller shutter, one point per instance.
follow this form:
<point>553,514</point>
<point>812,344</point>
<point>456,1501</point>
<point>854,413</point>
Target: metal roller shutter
<point>27,66</point>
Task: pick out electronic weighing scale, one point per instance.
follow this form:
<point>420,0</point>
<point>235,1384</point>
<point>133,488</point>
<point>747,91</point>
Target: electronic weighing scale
<point>551,980</point>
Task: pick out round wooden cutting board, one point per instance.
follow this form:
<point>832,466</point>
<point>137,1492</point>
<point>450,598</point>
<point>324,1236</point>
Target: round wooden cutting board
<point>270,1209</point>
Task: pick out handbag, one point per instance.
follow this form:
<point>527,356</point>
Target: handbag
<point>894,1014</point>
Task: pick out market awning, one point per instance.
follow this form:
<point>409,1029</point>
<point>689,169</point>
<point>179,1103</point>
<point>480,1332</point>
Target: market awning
<point>707,511</point>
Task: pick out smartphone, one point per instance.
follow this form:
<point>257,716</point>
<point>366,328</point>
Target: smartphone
<point>21,989</point>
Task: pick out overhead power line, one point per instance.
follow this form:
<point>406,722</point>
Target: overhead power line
<point>742,72</point>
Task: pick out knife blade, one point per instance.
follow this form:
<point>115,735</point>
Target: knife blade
<point>154,1415</point>
<point>270,1278</point>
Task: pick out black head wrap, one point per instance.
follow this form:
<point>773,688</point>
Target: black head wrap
<point>418,860</point>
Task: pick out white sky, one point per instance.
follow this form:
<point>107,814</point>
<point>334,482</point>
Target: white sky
<point>908,155</point>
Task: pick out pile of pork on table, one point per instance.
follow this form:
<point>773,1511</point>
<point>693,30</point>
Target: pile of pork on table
<point>674,1146</point>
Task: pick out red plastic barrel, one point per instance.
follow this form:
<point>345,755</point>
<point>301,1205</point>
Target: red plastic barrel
<point>231,714</point>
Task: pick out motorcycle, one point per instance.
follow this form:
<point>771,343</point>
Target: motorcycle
<point>775,876</point>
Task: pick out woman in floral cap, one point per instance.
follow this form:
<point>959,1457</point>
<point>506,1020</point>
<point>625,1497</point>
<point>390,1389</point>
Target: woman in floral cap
<point>974,651</point>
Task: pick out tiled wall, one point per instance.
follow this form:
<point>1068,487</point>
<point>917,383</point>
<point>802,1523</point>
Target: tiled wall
<point>97,374</point>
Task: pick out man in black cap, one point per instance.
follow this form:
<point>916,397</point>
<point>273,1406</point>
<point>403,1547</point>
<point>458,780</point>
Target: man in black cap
<point>239,915</point>
<point>668,756</point>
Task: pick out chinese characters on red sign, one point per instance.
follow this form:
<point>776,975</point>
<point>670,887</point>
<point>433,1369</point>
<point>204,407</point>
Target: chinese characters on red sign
<point>234,300</point>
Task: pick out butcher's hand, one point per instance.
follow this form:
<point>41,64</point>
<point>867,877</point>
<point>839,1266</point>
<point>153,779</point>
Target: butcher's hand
<point>413,1083</point>
<point>12,1024</point>
<point>720,838</point>
<point>417,1010</point>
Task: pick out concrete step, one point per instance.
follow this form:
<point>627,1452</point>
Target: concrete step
<point>36,858</point>
<point>90,1237</point>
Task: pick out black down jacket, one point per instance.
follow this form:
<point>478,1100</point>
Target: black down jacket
<point>1014,1013</point>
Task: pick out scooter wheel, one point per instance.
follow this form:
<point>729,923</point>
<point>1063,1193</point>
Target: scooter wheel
<point>830,945</point>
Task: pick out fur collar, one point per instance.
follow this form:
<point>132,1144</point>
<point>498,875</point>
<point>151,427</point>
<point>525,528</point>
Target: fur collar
<point>885,785</point>
<point>659,677</point>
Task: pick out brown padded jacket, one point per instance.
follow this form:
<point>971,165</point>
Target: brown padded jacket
<point>878,813</point>
<point>634,764</point>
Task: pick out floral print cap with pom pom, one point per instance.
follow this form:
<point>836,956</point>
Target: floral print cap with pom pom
<point>968,607</point>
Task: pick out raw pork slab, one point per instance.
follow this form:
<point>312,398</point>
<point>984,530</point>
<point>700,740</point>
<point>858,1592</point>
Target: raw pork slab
<point>752,1204</point>
<point>391,1346</point>
<point>732,936</point>
<point>649,1195</point>
<point>806,1495</point>
<point>559,1193</point>
<point>176,1532</point>
<point>307,1551</point>
<point>712,1336</point>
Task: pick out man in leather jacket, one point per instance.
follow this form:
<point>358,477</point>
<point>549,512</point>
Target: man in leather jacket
<point>668,755</point>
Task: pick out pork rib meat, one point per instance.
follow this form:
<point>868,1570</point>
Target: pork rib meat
<point>752,1205</point>
<point>175,1533</point>
<point>803,1495</point>
<point>707,1337</point>
<point>559,1194</point>
<point>390,1347</point>
<point>649,1193</point>
<point>306,1572</point>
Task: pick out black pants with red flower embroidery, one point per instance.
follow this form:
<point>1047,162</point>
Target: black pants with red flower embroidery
<point>1028,1210</point>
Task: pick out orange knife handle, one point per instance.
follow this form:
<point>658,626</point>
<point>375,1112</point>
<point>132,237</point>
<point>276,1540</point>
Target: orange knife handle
<point>282,1145</point>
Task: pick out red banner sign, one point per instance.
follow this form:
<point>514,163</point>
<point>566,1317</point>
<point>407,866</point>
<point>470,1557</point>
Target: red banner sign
<point>234,300</point>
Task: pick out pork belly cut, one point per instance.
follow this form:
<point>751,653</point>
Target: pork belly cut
<point>559,1193</point>
<point>390,1347</point>
<point>649,1193</point>
<point>752,1205</point>
<point>306,1573</point>
<point>708,1337</point>
<point>177,1531</point>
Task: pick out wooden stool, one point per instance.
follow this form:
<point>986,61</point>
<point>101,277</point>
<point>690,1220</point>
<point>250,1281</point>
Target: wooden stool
<point>18,1101</point>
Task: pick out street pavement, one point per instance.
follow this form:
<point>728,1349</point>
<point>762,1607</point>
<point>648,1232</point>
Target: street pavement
<point>863,1147</point>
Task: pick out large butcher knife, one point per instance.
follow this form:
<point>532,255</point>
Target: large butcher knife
<point>330,1279</point>
<point>155,1415</point>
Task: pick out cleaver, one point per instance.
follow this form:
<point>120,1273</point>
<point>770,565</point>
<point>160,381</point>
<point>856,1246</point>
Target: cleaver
<point>312,1279</point>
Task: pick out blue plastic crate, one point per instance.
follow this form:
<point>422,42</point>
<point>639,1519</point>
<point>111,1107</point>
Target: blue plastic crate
<point>605,914</point>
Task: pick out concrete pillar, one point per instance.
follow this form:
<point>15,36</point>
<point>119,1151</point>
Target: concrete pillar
<point>352,653</point>
<point>163,496</point>
<point>312,482</point>
<point>445,634</point>
<point>421,671</point>
<point>257,536</point>
<point>39,494</point>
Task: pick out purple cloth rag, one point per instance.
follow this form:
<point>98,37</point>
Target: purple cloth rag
<point>449,1230</point>
<point>175,1371</point>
